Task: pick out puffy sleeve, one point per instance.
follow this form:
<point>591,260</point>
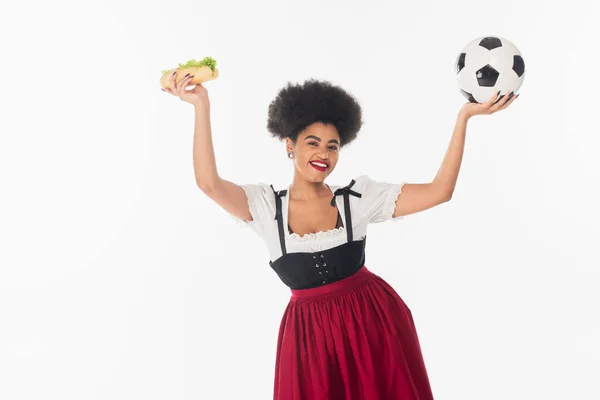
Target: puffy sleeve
<point>261,202</point>
<point>378,200</point>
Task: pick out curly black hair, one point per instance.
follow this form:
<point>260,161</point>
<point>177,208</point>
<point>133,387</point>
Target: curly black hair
<point>298,106</point>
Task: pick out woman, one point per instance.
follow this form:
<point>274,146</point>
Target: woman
<point>345,334</point>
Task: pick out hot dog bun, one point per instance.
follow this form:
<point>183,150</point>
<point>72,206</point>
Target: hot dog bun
<point>202,71</point>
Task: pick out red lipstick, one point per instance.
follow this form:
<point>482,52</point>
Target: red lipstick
<point>320,165</point>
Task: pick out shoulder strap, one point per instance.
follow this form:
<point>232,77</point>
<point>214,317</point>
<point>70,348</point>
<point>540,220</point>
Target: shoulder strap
<point>346,192</point>
<point>279,217</point>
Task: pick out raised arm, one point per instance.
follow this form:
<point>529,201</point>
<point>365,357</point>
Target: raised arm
<point>226,194</point>
<point>416,197</point>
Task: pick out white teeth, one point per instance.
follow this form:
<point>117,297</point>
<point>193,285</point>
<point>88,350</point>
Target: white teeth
<point>318,164</point>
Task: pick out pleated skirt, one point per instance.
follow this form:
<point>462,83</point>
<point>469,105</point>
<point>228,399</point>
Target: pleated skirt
<point>353,339</point>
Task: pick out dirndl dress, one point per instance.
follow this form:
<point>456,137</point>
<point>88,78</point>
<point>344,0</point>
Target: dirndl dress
<point>346,333</point>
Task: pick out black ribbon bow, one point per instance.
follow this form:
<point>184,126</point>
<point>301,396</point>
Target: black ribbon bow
<point>345,191</point>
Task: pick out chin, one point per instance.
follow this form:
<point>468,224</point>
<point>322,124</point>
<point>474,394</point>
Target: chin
<point>316,176</point>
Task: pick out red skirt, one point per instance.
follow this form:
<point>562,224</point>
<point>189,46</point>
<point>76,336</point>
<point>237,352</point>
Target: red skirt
<point>354,339</point>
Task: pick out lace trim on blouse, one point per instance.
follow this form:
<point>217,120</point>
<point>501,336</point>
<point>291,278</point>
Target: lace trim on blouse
<point>318,235</point>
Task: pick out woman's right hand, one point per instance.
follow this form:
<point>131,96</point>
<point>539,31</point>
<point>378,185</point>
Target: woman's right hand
<point>197,95</point>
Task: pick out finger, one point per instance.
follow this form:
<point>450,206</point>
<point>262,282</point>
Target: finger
<point>174,80</point>
<point>510,96</point>
<point>168,88</point>
<point>176,85</point>
<point>501,104</point>
<point>492,100</point>
<point>484,108</point>
<point>180,86</point>
<point>499,99</point>
<point>188,81</point>
<point>508,103</point>
<point>184,83</point>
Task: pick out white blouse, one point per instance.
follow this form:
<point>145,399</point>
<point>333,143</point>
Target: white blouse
<point>377,204</point>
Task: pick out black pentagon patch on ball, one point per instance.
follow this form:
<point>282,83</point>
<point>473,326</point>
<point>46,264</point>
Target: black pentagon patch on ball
<point>487,76</point>
<point>460,62</point>
<point>468,96</point>
<point>490,43</point>
<point>518,65</point>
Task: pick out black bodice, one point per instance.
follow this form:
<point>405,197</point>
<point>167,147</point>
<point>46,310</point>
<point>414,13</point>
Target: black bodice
<point>309,270</point>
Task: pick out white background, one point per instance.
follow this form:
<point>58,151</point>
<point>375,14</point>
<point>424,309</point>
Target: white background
<point>119,279</point>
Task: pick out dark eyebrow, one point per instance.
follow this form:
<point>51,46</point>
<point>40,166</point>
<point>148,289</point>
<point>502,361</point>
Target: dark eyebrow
<point>318,139</point>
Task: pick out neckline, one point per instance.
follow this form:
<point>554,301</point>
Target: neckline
<point>311,235</point>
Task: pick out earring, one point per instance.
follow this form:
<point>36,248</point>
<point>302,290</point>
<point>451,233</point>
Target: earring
<point>290,155</point>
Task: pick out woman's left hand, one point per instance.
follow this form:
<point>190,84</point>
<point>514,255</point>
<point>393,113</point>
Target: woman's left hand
<point>469,110</point>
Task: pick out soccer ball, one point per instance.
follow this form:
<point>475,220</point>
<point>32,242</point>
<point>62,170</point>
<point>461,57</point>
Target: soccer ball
<point>487,65</point>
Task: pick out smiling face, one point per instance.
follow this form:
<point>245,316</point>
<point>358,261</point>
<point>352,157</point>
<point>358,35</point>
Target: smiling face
<point>316,151</point>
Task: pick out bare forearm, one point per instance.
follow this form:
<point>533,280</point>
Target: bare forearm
<point>448,173</point>
<point>205,166</point>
